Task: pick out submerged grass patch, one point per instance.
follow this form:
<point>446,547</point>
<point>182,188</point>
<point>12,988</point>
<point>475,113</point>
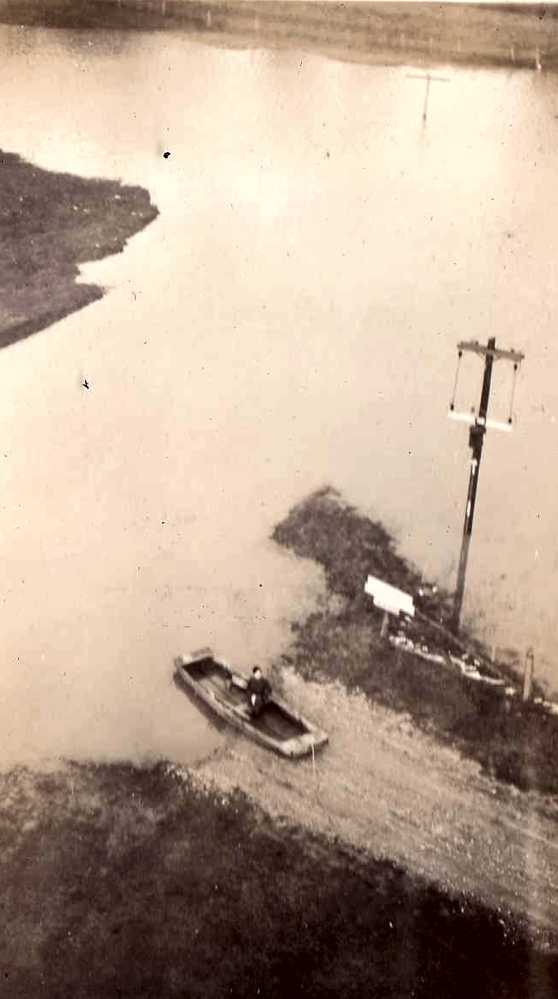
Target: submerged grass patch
<point>50,223</point>
<point>515,742</point>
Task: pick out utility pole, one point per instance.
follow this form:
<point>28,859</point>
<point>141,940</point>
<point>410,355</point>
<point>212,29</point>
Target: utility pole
<point>429,78</point>
<point>479,425</point>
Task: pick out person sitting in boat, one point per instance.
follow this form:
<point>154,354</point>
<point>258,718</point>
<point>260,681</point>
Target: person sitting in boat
<point>259,692</point>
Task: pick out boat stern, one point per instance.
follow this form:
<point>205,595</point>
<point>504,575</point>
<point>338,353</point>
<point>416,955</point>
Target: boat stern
<point>305,745</point>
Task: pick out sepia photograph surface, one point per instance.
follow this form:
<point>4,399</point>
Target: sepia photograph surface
<point>279,468</point>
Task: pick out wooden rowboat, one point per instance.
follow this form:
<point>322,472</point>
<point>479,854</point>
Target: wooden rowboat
<point>223,690</point>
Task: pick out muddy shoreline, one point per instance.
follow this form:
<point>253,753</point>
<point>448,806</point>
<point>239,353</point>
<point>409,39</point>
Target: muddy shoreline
<point>51,223</point>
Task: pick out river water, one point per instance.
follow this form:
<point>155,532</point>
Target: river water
<point>289,320</point>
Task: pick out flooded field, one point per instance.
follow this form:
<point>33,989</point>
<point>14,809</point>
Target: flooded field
<point>289,319</point>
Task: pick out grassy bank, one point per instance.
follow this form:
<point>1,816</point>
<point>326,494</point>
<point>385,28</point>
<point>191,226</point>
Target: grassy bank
<point>129,882</point>
<point>51,223</point>
<point>515,742</point>
<point>417,32</point>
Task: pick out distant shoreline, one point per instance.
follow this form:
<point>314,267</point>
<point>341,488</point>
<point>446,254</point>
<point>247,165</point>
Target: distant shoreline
<point>52,223</point>
<point>421,33</point>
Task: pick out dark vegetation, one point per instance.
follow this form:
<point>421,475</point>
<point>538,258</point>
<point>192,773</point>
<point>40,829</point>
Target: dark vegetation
<point>128,882</point>
<point>475,33</point>
<point>515,742</point>
<point>49,224</point>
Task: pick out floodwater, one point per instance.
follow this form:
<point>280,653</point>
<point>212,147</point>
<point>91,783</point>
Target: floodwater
<point>289,320</point>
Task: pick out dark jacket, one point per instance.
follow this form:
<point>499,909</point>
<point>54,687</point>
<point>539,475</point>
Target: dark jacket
<point>259,686</point>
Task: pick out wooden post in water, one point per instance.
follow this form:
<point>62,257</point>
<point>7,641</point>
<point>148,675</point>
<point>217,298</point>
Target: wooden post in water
<point>528,674</point>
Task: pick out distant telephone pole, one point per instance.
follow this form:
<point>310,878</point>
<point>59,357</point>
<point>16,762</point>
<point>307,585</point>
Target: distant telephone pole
<point>479,425</point>
<point>428,78</point>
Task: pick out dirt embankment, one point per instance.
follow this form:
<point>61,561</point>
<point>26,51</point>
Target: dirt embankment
<point>50,223</point>
<point>474,34</point>
<point>387,789</point>
<point>139,883</point>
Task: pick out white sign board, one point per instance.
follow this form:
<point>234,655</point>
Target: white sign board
<point>389,598</point>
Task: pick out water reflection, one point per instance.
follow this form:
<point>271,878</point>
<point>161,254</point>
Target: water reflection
<point>289,320</point>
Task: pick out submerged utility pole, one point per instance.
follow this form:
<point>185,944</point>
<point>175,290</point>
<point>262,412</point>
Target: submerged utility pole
<point>479,424</point>
<point>428,78</point>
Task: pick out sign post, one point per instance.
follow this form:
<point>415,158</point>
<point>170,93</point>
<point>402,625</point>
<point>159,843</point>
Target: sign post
<point>389,599</point>
<point>385,625</point>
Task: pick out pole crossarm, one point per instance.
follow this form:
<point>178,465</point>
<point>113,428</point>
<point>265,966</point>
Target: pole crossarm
<point>428,79</point>
<point>428,76</point>
<point>479,348</point>
<point>473,419</point>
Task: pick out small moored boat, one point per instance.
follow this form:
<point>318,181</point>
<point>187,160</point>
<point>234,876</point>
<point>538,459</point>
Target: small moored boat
<point>223,690</point>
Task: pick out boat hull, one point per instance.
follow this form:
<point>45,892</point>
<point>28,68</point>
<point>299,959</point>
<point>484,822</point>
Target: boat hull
<point>223,691</point>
